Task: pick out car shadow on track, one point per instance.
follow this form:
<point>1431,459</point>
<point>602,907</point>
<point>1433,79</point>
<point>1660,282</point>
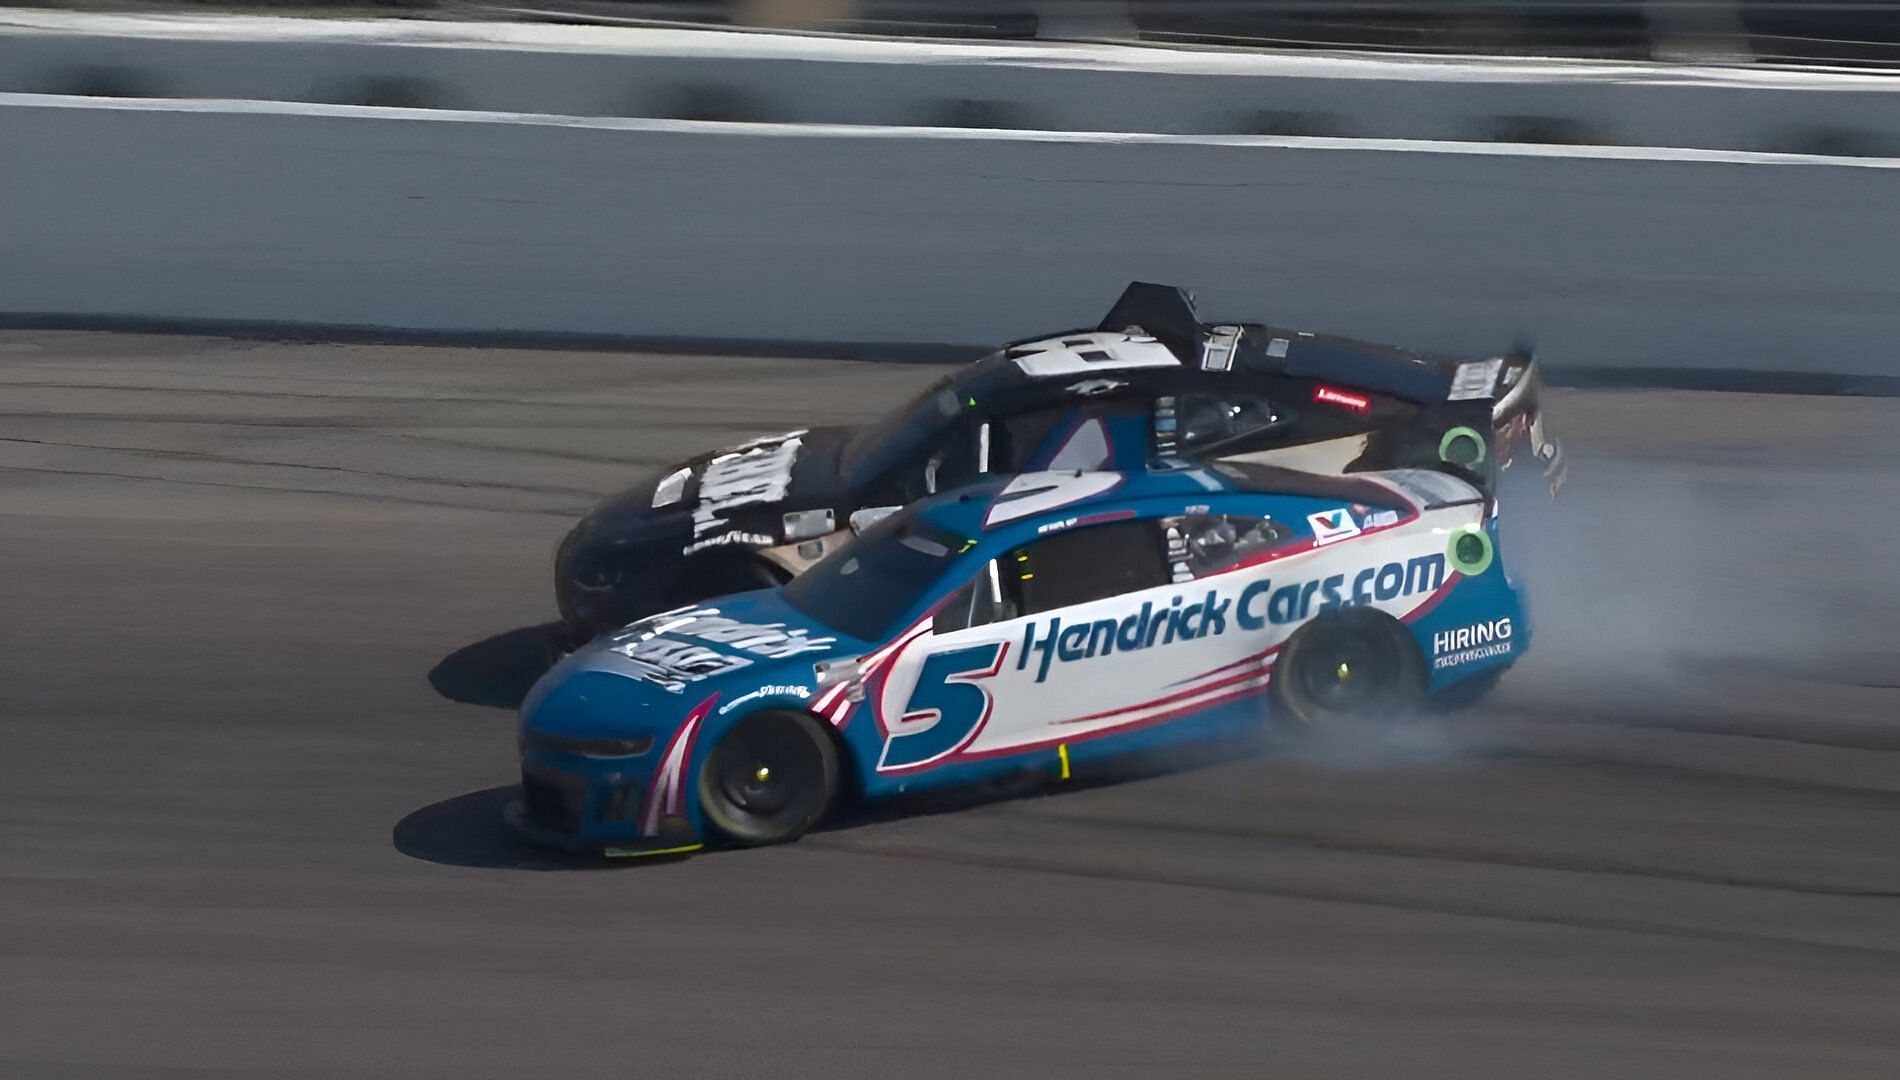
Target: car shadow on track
<point>497,672</point>
<point>469,830</point>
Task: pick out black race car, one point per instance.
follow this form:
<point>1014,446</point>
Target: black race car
<point>1151,383</point>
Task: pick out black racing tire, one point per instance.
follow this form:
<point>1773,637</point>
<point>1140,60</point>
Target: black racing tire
<point>770,777</point>
<point>1345,669</point>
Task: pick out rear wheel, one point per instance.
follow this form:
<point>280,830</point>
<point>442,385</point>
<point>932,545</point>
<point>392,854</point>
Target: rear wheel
<point>770,778</point>
<point>1348,667</point>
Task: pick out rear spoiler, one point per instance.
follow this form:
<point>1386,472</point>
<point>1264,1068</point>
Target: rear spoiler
<point>1515,381</point>
<point>1163,312</point>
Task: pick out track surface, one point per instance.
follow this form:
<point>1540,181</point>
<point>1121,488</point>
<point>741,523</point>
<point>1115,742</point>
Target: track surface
<point>245,836</point>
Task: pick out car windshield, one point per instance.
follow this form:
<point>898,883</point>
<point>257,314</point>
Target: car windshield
<point>906,432</point>
<point>863,588</point>
<point>901,433</point>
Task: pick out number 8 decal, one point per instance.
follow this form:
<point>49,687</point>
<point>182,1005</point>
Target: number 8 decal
<point>946,708</point>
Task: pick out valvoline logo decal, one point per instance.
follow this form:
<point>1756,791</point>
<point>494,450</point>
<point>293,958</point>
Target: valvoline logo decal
<point>1331,525</point>
<point>1258,605</point>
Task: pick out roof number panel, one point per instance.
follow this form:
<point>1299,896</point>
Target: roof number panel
<point>1080,354</point>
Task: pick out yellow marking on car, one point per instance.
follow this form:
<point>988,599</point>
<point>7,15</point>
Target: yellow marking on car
<point>629,853</point>
<point>1062,751</point>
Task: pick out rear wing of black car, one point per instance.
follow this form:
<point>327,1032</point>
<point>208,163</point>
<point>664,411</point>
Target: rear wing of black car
<point>1455,393</point>
<point>1163,312</point>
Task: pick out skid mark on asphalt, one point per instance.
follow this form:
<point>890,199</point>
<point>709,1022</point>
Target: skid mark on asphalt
<point>924,853</point>
<point>282,490</point>
<point>226,459</point>
<point>1473,856</point>
<point>1874,798</point>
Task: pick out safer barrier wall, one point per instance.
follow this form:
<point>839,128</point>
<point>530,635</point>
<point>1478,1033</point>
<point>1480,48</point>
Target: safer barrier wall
<point>712,75</point>
<point>469,222</point>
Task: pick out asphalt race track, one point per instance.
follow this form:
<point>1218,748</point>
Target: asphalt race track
<point>249,832</point>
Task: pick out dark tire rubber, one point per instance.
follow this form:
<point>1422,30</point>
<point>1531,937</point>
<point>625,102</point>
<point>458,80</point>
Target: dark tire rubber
<point>1346,668</point>
<point>770,778</point>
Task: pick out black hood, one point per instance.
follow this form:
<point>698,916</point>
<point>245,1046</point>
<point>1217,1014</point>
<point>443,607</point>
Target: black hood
<point>625,557</point>
<point>751,486</point>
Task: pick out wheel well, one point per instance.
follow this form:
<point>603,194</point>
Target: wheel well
<point>733,555</point>
<point>1399,628</point>
<point>850,784</point>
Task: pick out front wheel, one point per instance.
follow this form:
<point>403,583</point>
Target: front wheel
<point>770,778</point>
<point>1348,667</point>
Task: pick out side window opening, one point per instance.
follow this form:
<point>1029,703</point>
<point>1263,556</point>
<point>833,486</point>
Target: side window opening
<point>1092,563</point>
<point>1057,571</point>
<point>1203,544</point>
<point>1199,423</point>
<point>1086,434</point>
<point>1015,439</point>
<point>952,460</point>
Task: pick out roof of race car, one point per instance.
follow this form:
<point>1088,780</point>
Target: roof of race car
<point>972,509</point>
<point>1156,326</point>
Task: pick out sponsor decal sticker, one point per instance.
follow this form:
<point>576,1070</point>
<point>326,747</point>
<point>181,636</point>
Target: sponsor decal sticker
<point>1466,644</point>
<point>759,471</point>
<point>1345,399</point>
<point>1332,525</point>
<point>786,691</point>
<point>1085,354</point>
<point>670,664</point>
<point>658,654</point>
<point>1474,379</point>
<point>755,539</point>
<point>1262,603</point>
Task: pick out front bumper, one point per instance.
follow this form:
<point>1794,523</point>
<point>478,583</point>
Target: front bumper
<point>616,564</point>
<point>592,805</point>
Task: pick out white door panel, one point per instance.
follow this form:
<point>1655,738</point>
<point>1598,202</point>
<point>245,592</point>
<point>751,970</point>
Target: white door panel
<point>1091,668</point>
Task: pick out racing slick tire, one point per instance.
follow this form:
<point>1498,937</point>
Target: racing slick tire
<point>769,778</point>
<point>1346,668</point>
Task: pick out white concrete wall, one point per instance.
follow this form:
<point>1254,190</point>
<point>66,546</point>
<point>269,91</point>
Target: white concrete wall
<point>489,222</point>
<point>592,71</point>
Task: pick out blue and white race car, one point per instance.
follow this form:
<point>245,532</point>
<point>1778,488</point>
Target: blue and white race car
<point>1048,622</point>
